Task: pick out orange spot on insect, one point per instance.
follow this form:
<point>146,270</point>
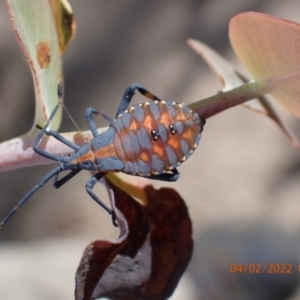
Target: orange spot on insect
<point>132,125</point>
<point>157,149</point>
<point>105,151</point>
<point>148,121</point>
<point>88,156</point>
<point>145,157</point>
<point>165,119</point>
<point>188,135</point>
<point>43,55</point>
<point>173,141</point>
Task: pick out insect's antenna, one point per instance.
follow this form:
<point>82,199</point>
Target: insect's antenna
<point>69,115</point>
<point>45,127</point>
<point>60,95</point>
<point>30,193</point>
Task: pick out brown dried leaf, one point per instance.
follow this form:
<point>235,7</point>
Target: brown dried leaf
<point>150,256</point>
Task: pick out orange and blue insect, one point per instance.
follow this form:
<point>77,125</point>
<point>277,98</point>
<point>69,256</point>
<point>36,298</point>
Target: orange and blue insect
<point>150,139</point>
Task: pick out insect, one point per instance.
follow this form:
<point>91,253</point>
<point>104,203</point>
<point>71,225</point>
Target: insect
<point>150,140</point>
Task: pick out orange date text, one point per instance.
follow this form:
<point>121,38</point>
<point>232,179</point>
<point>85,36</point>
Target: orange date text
<point>261,268</point>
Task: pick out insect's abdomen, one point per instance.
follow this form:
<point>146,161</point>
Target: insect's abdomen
<point>154,137</point>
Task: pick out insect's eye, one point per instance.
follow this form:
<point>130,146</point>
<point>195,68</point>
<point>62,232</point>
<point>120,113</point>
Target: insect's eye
<point>172,129</point>
<point>155,135</point>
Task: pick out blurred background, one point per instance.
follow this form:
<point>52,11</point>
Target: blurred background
<point>241,185</point>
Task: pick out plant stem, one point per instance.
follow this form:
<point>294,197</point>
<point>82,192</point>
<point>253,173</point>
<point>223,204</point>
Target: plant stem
<point>213,105</point>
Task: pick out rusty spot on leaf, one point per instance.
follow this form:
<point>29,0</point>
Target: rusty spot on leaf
<point>43,55</point>
<point>150,256</point>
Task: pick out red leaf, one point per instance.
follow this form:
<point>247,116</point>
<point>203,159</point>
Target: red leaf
<point>268,47</point>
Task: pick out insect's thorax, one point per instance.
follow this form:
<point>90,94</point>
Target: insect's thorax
<point>154,137</point>
<point>99,154</point>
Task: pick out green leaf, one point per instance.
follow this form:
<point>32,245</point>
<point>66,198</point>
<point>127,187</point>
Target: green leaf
<point>35,30</point>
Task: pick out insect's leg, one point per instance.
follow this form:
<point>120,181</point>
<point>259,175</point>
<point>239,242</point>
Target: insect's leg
<point>166,176</point>
<point>59,182</point>
<point>30,193</point>
<point>44,131</point>
<point>111,195</point>
<point>129,93</point>
<point>89,186</point>
<point>40,136</point>
<point>89,117</point>
<point>60,138</point>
